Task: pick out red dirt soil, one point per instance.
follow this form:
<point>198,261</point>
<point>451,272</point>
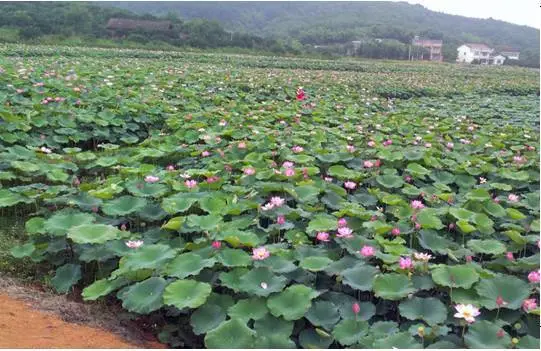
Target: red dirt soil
<point>23,327</point>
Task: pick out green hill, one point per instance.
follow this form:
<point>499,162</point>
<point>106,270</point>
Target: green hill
<point>326,23</point>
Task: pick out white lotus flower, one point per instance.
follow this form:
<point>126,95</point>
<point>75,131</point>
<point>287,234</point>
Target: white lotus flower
<point>468,312</point>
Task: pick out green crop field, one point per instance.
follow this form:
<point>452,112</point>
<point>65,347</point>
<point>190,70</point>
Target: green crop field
<point>268,202</point>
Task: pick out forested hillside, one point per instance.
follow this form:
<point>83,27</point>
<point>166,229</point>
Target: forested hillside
<point>325,23</point>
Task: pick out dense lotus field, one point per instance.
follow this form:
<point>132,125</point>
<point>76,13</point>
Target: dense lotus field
<point>381,205</point>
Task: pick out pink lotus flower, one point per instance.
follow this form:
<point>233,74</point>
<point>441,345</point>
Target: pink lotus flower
<point>500,302</point>
<point>371,143</point>
<point>513,198</point>
<point>428,145</point>
<point>519,159</point>
<point>387,142</point>
<point>134,244</point>
<point>212,179</point>
<point>249,171</point>
<point>344,232</point>
<point>368,164</point>
<point>267,207</point>
<point>500,333</point>
<point>123,227</point>
<point>327,179</point>
<point>289,172</point>
<point>534,277</point>
<point>280,220</point>
<point>288,164</point>
<point>350,185</point>
<point>242,145</point>
<point>408,179</point>
<point>151,179</point>
<point>395,231</point>
<point>277,201</point>
<point>377,163</point>
<point>223,123</point>
<point>405,263</point>
<point>417,226</point>
<point>450,145</point>
<point>205,153</point>
<point>350,148</point>
<point>367,251</point>
<point>296,149</point>
<point>469,258</point>
<point>216,244</point>
<point>468,312</point>
<point>356,308</point>
<point>529,304</point>
<point>260,253</point>
<point>170,168</point>
<point>342,222</point>
<point>417,205</point>
<point>322,236</point>
<point>509,256</point>
<point>190,184</point>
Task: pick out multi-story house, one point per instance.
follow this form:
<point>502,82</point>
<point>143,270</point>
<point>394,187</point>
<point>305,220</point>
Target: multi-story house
<point>470,52</point>
<point>432,49</point>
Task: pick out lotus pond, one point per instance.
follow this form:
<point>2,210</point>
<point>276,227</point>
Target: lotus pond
<point>381,205</point>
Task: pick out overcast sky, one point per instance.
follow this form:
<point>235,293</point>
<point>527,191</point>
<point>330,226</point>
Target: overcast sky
<point>525,12</point>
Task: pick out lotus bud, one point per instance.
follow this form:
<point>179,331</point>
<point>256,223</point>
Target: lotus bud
<point>514,341</point>
<point>421,331</point>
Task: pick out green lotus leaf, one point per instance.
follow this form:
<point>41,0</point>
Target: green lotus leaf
<point>311,339</point>
<point>24,250</point>
<point>208,222</point>
<point>212,204</point>
<point>323,313</point>
<point>429,220</point>
<point>442,344</point>
<point>234,258</point>
<point>186,293</point>
<point>292,303</point>
<point>152,213</point>
<point>174,223</point>
<point>515,214</point>
<point>261,282</point>
<point>342,264</point>
<point>143,297</point>
<point>123,205</point>
<point>271,341</point>
<point>342,172</point>
<point>417,170</point>
<point>27,167</point>
<point>85,201</point>
<point>382,329</point>
<point>35,225</point>
<point>66,276</point>
<point>511,289</point>
<point>231,279</point>
<point>482,335</point>
<point>460,276</point>
<point>60,223</point>
<point>461,213</point>
<point>238,238</point>
<point>102,287</point>
<point>399,340</point>
<point>231,334</point>
<point>465,227</point>
<point>206,318</point>
<point>478,195</point>
<point>144,189</point>
<point>349,331</point>
<point>178,203</point>
<point>254,308</point>
<point>516,237</point>
<point>390,180</point>
<point>187,264</point>
<point>392,286</point>
<point>431,240</point>
<point>315,263</point>
<point>93,233</point>
<point>149,256</point>
<point>489,246</point>
<point>360,277</point>
<point>442,177</point>
<point>528,342</point>
<point>430,309</point>
<point>322,222</point>
<point>273,325</point>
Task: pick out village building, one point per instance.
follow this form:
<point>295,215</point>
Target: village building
<point>432,49</point>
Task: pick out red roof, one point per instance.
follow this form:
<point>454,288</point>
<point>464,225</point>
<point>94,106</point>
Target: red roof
<point>478,46</point>
<point>427,42</point>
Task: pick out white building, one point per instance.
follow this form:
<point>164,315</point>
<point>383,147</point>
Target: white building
<point>469,52</point>
<point>510,54</point>
<point>497,60</point>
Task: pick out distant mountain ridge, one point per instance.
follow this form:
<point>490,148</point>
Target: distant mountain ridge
<point>331,22</point>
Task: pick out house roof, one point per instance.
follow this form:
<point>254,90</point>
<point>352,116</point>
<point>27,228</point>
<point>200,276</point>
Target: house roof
<point>125,23</point>
<point>477,46</point>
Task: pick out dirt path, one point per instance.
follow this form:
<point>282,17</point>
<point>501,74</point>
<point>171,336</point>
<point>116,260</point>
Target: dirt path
<point>30,318</point>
